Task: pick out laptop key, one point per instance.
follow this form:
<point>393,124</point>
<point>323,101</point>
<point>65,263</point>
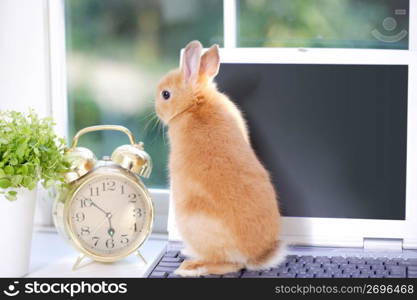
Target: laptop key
<point>341,275</point>
<point>338,259</point>
<point>324,275</point>
<point>381,273</point>
<point>169,264</point>
<point>411,262</point>
<point>250,274</point>
<point>269,273</point>
<point>377,267</point>
<point>211,276</point>
<point>306,258</point>
<point>307,275</point>
<point>395,276</point>
<point>232,275</point>
<point>348,267</point>
<point>314,265</point>
<point>391,263</point>
<point>374,261</point>
<point>356,260</point>
<point>156,274</point>
<point>287,275</point>
<point>171,253</point>
<point>171,259</point>
<point>165,269</point>
<point>396,269</point>
<point>412,269</point>
<point>355,273</point>
<point>322,259</point>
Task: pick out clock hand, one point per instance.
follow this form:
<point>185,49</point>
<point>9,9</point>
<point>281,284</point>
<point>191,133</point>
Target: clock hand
<point>110,231</point>
<point>99,226</point>
<point>104,221</point>
<point>95,205</point>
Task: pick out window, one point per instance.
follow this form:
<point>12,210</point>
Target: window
<point>118,50</point>
<point>324,23</point>
<point>116,53</point>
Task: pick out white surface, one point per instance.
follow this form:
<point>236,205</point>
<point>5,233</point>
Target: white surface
<point>26,69</point>
<point>230,23</point>
<point>16,223</point>
<point>53,257</point>
<point>55,23</point>
<point>344,232</point>
<point>23,62</point>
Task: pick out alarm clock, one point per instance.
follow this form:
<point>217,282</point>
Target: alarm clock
<point>104,210</point>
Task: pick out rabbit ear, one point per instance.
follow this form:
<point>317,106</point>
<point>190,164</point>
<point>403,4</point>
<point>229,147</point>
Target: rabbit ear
<point>210,62</point>
<point>190,64</point>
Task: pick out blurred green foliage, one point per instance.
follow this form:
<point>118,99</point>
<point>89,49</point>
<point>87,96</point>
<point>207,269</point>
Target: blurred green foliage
<point>136,40</point>
<point>320,23</point>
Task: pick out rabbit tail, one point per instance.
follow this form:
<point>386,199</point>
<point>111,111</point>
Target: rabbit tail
<point>270,258</point>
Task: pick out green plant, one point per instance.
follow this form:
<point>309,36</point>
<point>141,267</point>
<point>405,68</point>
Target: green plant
<point>30,152</point>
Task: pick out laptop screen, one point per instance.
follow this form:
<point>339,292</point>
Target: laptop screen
<point>333,137</point>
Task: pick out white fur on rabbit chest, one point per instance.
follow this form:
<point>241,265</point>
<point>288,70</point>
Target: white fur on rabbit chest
<point>207,237</point>
<point>204,236</point>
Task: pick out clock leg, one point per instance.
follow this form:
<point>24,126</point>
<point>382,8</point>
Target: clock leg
<point>140,256</point>
<point>78,261</point>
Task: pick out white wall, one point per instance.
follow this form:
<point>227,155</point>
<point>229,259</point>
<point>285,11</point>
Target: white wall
<point>23,56</point>
<point>24,68</point>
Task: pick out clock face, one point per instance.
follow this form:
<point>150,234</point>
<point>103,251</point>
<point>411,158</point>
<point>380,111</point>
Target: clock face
<point>109,216</point>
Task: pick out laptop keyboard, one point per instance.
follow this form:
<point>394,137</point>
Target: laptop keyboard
<point>308,267</point>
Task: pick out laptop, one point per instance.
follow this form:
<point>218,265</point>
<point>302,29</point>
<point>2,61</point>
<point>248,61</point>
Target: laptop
<point>337,130</point>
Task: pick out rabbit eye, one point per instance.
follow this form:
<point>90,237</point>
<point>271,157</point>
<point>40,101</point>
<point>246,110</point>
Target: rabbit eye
<point>165,94</point>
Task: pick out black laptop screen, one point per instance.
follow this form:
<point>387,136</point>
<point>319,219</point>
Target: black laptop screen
<point>333,137</point>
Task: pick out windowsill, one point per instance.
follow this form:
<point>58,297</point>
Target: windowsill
<point>54,257</point>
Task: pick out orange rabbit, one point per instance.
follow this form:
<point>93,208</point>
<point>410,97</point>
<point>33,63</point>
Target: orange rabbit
<point>226,207</point>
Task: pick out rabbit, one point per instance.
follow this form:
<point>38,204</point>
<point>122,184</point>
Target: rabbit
<point>226,208</point>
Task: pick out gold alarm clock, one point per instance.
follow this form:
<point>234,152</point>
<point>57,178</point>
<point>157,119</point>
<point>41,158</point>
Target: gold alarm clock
<point>105,210</point>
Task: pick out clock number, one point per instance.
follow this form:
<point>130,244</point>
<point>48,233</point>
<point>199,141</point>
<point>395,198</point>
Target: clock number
<point>94,191</point>
<point>110,244</point>
<point>85,202</point>
<point>109,186</point>
<point>79,217</point>
<point>122,189</point>
<point>95,239</point>
<point>85,230</point>
<point>137,213</point>
<point>132,198</point>
<point>135,227</point>
<point>124,239</point>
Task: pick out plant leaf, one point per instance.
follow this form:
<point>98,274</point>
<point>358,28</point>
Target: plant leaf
<point>20,151</point>
<point>16,180</point>
<point>8,170</point>
<point>5,183</point>
<point>11,196</point>
<point>13,193</point>
<point>30,151</point>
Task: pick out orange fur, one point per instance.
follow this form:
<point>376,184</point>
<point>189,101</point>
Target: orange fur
<point>226,206</point>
